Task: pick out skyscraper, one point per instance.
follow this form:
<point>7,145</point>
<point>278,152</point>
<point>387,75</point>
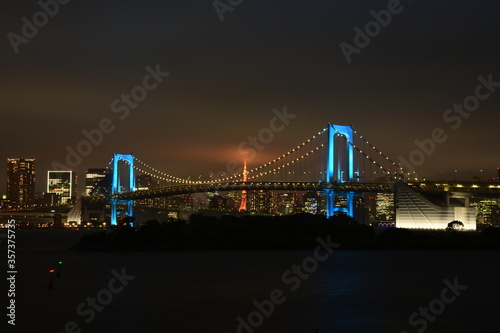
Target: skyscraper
<point>62,183</point>
<point>260,201</point>
<point>385,207</point>
<point>97,182</point>
<point>144,182</point>
<point>20,181</point>
<point>312,202</point>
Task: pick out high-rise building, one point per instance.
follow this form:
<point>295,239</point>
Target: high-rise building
<point>385,207</point>
<point>216,202</point>
<point>233,200</point>
<point>487,211</point>
<point>284,203</point>
<point>97,182</point>
<point>340,201</point>
<point>62,183</point>
<point>43,199</point>
<point>259,201</point>
<point>21,181</point>
<point>144,182</point>
<point>312,201</point>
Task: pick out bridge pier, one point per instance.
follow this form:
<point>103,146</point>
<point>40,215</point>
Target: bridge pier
<point>330,208</point>
<point>93,212</point>
<point>114,209</point>
<point>329,202</point>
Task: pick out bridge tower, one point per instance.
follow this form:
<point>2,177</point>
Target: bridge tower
<point>340,168</point>
<point>116,187</point>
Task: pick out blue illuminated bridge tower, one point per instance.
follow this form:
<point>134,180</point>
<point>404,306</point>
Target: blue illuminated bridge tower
<point>340,167</point>
<point>117,188</point>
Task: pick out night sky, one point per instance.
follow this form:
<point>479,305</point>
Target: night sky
<point>227,76</point>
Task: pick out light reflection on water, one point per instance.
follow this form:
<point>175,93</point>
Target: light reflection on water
<point>353,291</point>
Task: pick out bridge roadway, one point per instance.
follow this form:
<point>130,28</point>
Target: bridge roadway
<point>473,188</point>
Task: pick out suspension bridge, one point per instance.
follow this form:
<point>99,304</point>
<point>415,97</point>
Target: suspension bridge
<point>336,161</point>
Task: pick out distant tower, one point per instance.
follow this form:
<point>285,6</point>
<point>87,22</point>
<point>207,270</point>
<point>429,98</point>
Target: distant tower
<point>243,205</point>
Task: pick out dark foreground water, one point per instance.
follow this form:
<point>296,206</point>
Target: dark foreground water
<point>352,291</point>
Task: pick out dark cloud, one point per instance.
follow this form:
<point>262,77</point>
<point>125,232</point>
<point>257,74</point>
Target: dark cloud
<point>226,77</point>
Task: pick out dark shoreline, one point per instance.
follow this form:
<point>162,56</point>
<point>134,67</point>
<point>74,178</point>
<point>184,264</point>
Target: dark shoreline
<point>292,232</point>
<point>475,244</point>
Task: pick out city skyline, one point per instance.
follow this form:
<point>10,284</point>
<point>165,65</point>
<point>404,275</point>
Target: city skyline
<point>84,187</point>
<point>250,166</point>
<point>225,79</point>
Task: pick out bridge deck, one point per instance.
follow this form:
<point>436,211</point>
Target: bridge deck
<point>478,188</point>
